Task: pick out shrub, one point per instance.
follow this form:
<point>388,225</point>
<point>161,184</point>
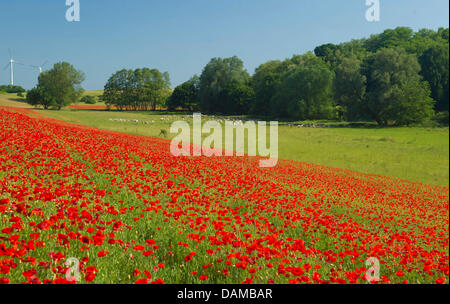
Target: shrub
<point>88,99</point>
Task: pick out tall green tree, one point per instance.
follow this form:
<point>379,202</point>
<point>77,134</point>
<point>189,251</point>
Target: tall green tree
<point>116,89</point>
<point>349,88</point>
<point>215,77</point>
<point>186,95</point>
<point>305,90</point>
<point>396,92</point>
<point>141,89</point>
<point>237,98</point>
<point>59,86</point>
<point>266,79</point>
<point>435,70</point>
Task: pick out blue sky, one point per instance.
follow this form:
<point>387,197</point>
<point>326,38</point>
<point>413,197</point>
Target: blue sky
<point>182,36</point>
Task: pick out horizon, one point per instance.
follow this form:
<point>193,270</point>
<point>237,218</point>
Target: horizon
<point>172,36</point>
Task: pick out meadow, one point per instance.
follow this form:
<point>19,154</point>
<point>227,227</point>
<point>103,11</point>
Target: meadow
<point>415,154</point>
<point>81,204</point>
<point>95,93</point>
<point>410,153</point>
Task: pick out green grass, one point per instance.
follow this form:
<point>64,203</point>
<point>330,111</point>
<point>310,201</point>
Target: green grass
<point>415,154</point>
<point>93,92</point>
<point>12,100</point>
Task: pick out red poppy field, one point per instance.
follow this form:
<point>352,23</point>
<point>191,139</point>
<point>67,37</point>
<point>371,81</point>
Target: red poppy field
<point>130,212</point>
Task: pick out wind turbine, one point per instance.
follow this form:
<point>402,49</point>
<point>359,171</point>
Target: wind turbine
<point>11,66</point>
<point>40,67</point>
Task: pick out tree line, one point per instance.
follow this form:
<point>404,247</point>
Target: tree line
<point>398,77</point>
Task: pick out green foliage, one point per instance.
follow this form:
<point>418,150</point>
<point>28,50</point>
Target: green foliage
<point>395,91</point>
<point>266,79</point>
<point>349,89</point>
<point>186,95</point>
<point>328,52</point>
<point>305,90</point>
<point>435,65</point>
<point>442,118</point>
<point>428,46</point>
<point>58,87</point>
<point>390,38</point>
<point>332,54</point>
<point>217,75</point>
<point>34,97</point>
<point>297,88</point>
<point>141,89</point>
<point>237,98</point>
<point>390,77</point>
<point>12,89</point>
<point>88,99</point>
<point>403,37</point>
